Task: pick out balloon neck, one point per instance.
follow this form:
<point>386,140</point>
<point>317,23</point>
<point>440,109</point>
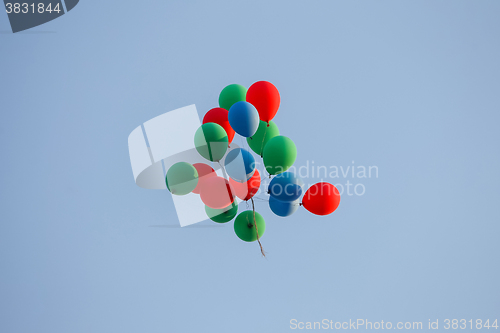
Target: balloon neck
<point>267,124</point>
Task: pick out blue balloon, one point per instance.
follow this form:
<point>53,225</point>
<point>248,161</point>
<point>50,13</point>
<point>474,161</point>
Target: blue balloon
<point>244,118</point>
<point>283,208</point>
<point>240,165</point>
<point>286,187</point>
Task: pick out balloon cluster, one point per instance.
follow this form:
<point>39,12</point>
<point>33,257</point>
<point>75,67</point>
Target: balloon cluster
<point>248,113</point>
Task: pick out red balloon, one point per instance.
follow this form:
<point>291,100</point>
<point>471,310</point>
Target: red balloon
<point>321,199</point>
<point>266,99</point>
<point>216,193</point>
<point>246,190</point>
<point>204,172</point>
<point>219,116</point>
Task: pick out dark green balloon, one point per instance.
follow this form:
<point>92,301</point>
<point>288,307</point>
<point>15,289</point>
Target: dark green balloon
<point>279,154</point>
<point>231,94</point>
<point>244,226</point>
<point>211,141</point>
<point>258,141</point>
<point>222,215</point>
<point>181,178</point>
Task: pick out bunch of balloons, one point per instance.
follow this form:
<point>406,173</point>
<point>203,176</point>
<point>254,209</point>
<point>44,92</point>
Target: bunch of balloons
<point>248,113</point>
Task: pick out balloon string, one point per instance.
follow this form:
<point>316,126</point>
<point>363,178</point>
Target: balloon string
<point>255,223</point>
<point>263,139</point>
<point>223,170</point>
<point>209,151</point>
<point>229,192</point>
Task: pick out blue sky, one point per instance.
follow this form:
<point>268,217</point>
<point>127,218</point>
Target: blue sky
<point>409,87</point>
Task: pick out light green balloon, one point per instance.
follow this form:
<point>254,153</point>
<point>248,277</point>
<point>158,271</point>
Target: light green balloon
<point>222,215</point>
<point>279,154</point>
<point>231,94</point>
<point>181,178</point>
<point>258,141</point>
<point>211,141</point>
<point>244,226</point>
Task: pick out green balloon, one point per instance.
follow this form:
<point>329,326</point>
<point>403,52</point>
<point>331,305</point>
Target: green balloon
<point>262,136</point>
<point>279,154</point>
<point>231,94</point>
<point>244,226</point>
<point>181,178</point>
<point>222,215</point>
<point>211,141</point>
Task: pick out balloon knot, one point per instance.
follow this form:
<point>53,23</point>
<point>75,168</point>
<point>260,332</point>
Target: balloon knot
<point>267,124</point>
